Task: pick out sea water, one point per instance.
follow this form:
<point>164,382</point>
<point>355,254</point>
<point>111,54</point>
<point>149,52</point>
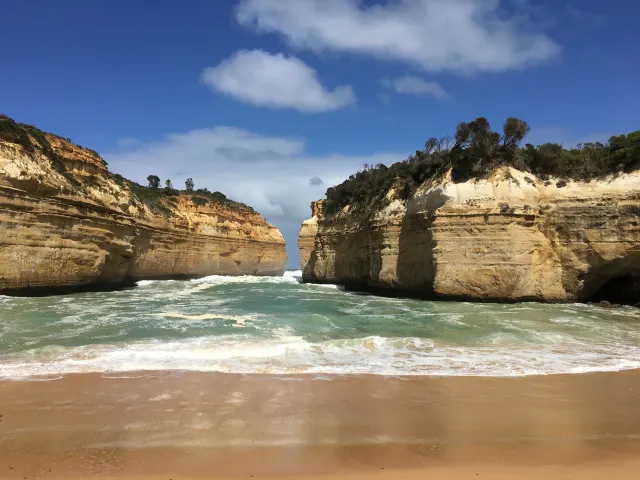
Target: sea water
<point>279,325</point>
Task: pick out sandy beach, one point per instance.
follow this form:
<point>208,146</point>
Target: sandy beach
<point>181,425</point>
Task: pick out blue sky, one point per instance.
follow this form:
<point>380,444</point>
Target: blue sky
<point>256,97</point>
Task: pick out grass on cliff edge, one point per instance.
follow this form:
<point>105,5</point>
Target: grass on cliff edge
<point>475,151</point>
<point>33,139</point>
<point>155,198</point>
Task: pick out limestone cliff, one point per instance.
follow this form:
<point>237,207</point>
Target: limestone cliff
<point>66,221</point>
<point>510,236</point>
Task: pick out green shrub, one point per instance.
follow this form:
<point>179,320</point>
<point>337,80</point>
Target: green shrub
<point>475,151</point>
<point>33,140</point>
<point>204,197</point>
<point>154,182</point>
<point>200,202</point>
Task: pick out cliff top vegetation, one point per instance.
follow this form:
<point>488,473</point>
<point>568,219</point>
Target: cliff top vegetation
<point>155,197</point>
<point>158,199</point>
<point>32,138</point>
<point>475,151</point>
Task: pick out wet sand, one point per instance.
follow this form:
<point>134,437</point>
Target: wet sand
<point>179,425</point>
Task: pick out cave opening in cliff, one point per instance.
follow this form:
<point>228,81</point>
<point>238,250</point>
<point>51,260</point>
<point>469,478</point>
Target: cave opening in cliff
<point>622,289</point>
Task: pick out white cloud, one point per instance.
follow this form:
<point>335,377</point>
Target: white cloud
<point>272,174</point>
<point>410,85</point>
<point>127,142</point>
<point>275,81</point>
<point>465,36</point>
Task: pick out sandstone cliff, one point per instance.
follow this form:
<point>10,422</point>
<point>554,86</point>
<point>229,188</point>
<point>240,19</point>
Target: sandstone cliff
<point>510,236</point>
<point>66,221</point>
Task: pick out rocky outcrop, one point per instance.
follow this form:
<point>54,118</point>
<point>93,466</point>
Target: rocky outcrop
<point>307,238</point>
<point>511,236</point>
<point>66,221</point>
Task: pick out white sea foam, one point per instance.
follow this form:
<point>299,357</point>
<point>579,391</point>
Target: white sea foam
<point>38,377</point>
<point>164,282</point>
<point>239,319</point>
<point>285,338</point>
<point>288,277</point>
<point>293,273</point>
<point>326,286</point>
<point>452,319</point>
<point>286,354</point>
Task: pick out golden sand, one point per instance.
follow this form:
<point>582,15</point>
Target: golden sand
<point>173,425</point>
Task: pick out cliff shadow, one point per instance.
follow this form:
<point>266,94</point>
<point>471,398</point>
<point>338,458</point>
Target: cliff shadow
<point>309,268</point>
<point>54,291</point>
<point>416,268</point>
<point>358,257</point>
<point>350,256</point>
<point>376,243</point>
<point>615,282</point>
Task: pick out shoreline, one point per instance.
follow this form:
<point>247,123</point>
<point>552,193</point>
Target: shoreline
<point>296,376</point>
<point>128,283</point>
<point>176,424</point>
<point>359,288</point>
<point>434,339</point>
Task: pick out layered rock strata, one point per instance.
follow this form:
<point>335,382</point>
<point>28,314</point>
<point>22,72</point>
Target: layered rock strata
<point>511,236</point>
<point>66,221</point>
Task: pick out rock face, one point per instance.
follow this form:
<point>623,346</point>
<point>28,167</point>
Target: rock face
<point>307,239</point>
<point>66,221</point>
<point>511,236</point>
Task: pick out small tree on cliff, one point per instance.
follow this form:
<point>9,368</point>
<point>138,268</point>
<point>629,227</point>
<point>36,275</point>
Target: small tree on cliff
<point>168,185</point>
<point>189,184</point>
<point>514,132</point>
<point>154,181</point>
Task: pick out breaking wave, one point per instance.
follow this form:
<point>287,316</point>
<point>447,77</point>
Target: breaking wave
<point>279,325</point>
<point>294,355</point>
<point>289,277</point>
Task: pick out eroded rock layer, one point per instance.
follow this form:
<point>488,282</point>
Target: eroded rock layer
<point>66,221</point>
<point>511,236</point>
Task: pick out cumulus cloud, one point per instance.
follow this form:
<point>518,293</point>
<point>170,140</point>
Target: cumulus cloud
<point>465,36</point>
<point>275,81</point>
<point>411,85</point>
<point>272,174</point>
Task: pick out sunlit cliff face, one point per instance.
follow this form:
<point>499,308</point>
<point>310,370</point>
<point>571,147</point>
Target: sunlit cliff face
<point>511,236</point>
<point>68,222</point>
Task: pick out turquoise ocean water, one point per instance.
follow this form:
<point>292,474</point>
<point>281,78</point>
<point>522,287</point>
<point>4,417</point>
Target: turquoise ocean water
<point>281,326</point>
